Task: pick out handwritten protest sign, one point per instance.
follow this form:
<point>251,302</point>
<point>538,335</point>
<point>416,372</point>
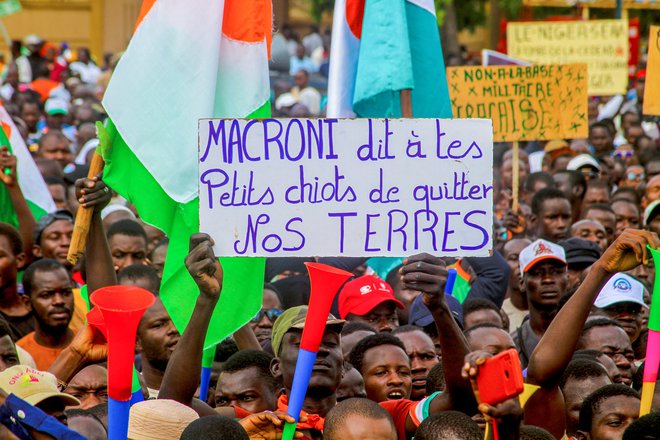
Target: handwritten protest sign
<point>495,58</point>
<point>601,44</point>
<point>525,102</point>
<point>652,85</point>
<point>352,187</point>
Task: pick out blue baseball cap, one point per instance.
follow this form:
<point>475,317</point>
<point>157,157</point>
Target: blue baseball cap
<point>421,316</point>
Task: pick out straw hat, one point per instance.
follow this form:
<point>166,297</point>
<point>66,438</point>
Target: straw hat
<point>159,419</point>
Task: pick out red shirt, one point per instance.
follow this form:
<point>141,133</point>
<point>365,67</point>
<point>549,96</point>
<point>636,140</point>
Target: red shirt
<point>399,410</point>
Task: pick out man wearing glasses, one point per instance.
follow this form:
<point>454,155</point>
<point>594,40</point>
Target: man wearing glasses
<point>271,308</point>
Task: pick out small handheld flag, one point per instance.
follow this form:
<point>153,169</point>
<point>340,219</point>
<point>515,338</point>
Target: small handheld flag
<point>4,142</point>
<point>451,279</point>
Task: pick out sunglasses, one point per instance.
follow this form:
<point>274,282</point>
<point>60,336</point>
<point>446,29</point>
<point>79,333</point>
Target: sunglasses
<point>622,154</point>
<point>635,176</point>
<point>271,314</point>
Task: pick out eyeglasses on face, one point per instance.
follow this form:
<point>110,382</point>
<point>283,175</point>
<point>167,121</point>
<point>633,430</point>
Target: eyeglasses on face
<point>271,314</point>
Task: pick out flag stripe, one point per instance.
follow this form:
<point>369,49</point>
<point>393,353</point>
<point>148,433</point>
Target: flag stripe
<point>385,65</point>
<point>144,10</point>
<point>343,64</point>
<point>154,101</point>
<point>30,180</point>
<point>250,22</point>
<point>241,276</point>
<point>240,90</point>
<point>159,81</point>
<point>367,74</point>
<point>430,97</point>
<point>428,5</point>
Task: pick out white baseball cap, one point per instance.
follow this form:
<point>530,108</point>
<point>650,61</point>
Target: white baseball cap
<point>538,251</point>
<point>57,106</point>
<point>583,160</point>
<point>650,210</point>
<point>620,288</point>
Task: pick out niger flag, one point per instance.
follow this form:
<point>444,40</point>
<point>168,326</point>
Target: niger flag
<point>187,60</point>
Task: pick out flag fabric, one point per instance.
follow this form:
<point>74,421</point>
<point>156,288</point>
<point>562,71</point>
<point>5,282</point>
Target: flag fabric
<point>8,7</point>
<point>461,288</point>
<point>652,359</point>
<point>380,47</point>
<point>177,69</point>
<point>32,184</point>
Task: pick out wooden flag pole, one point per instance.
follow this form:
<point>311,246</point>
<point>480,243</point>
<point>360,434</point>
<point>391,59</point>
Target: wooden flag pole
<point>406,103</point>
<point>83,217</point>
<point>516,177</point>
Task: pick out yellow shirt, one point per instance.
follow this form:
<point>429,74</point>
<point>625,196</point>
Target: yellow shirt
<point>528,392</point>
<point>79,315</point>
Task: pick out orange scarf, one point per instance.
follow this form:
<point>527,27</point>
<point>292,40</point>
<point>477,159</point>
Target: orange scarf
<point>314,421</point>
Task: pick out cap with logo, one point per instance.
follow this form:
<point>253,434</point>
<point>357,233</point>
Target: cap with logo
<point>539,251</point>
<point>33,386</point>
<point>620,288</point>
<point>295,318</point>
<point>361,295</point>
<point>583,160</point>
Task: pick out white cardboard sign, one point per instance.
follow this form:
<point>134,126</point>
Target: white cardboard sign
<point>346,187</point>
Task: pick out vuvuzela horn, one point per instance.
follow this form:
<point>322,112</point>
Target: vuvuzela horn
<point>122,308</point>
<point>325,282</point>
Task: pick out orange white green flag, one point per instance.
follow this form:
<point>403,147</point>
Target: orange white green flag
<point>187,60</point>
<point>31,182</point>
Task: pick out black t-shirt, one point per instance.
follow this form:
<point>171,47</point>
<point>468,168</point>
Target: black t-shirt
<point>19,325</point>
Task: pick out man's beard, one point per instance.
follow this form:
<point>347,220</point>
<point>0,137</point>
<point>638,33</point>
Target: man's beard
<point>158,362</point>
<point>52,329</point>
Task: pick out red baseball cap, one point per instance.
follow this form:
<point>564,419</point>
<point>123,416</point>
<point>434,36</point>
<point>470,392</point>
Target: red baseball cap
<point>362,294</point>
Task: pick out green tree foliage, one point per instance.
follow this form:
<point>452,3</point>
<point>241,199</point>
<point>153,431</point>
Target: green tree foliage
<point>318,7</point>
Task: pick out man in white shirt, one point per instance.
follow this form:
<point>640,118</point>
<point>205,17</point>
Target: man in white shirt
<point>86,68</point>
<point>301,93</point>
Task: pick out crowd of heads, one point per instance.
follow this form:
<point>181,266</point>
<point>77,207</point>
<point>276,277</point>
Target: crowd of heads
<point>384,362</point>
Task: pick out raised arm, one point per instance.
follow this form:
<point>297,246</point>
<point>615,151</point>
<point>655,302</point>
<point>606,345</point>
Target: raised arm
<point>183,370</point>
<point>508,414</point>
<point>88,347</point>
<point>246,339</point>
<point>94,193</point>
<point>428,275</point>
<point>557,345</point>
<point>555,349</point>
<point>26,221</point>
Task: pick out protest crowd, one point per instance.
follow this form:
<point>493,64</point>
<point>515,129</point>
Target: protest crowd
<point>568,286</point>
